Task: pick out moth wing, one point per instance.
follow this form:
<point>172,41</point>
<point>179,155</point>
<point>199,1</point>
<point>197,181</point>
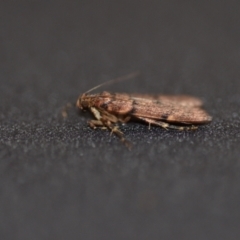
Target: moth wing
<point>182,100</point>
<point>169,112</point>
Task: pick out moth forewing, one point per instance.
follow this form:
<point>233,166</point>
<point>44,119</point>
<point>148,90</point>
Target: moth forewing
<point>183,100</point>
<point>170,112</point>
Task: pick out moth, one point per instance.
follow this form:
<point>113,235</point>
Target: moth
<point>180,112</point>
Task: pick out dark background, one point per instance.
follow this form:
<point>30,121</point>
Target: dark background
<point>59,179</point>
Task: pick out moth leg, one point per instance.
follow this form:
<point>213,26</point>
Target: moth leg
<point>115,130</point>
<point>118,133</point>
<point>96,123</point>
<point>124,120</point>
<point>96,113</point>
<point>107,120</point>
<point>152,121</point>
<point>167,125</point>
<point>103,120</point>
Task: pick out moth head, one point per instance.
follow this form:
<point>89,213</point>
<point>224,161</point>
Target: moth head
<point>83,102</point>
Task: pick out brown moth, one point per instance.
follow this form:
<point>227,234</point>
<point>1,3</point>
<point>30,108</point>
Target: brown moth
<point>180,112</point>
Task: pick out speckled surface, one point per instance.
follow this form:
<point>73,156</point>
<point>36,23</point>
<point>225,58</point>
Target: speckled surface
<point>61,180</point>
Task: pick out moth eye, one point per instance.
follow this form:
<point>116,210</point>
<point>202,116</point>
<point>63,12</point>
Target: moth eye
<point>84,104</point>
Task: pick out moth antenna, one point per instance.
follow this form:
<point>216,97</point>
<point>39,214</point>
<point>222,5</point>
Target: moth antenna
<point>119,79</point>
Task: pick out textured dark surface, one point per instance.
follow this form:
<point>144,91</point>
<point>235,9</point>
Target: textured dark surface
<point>61,180</point>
